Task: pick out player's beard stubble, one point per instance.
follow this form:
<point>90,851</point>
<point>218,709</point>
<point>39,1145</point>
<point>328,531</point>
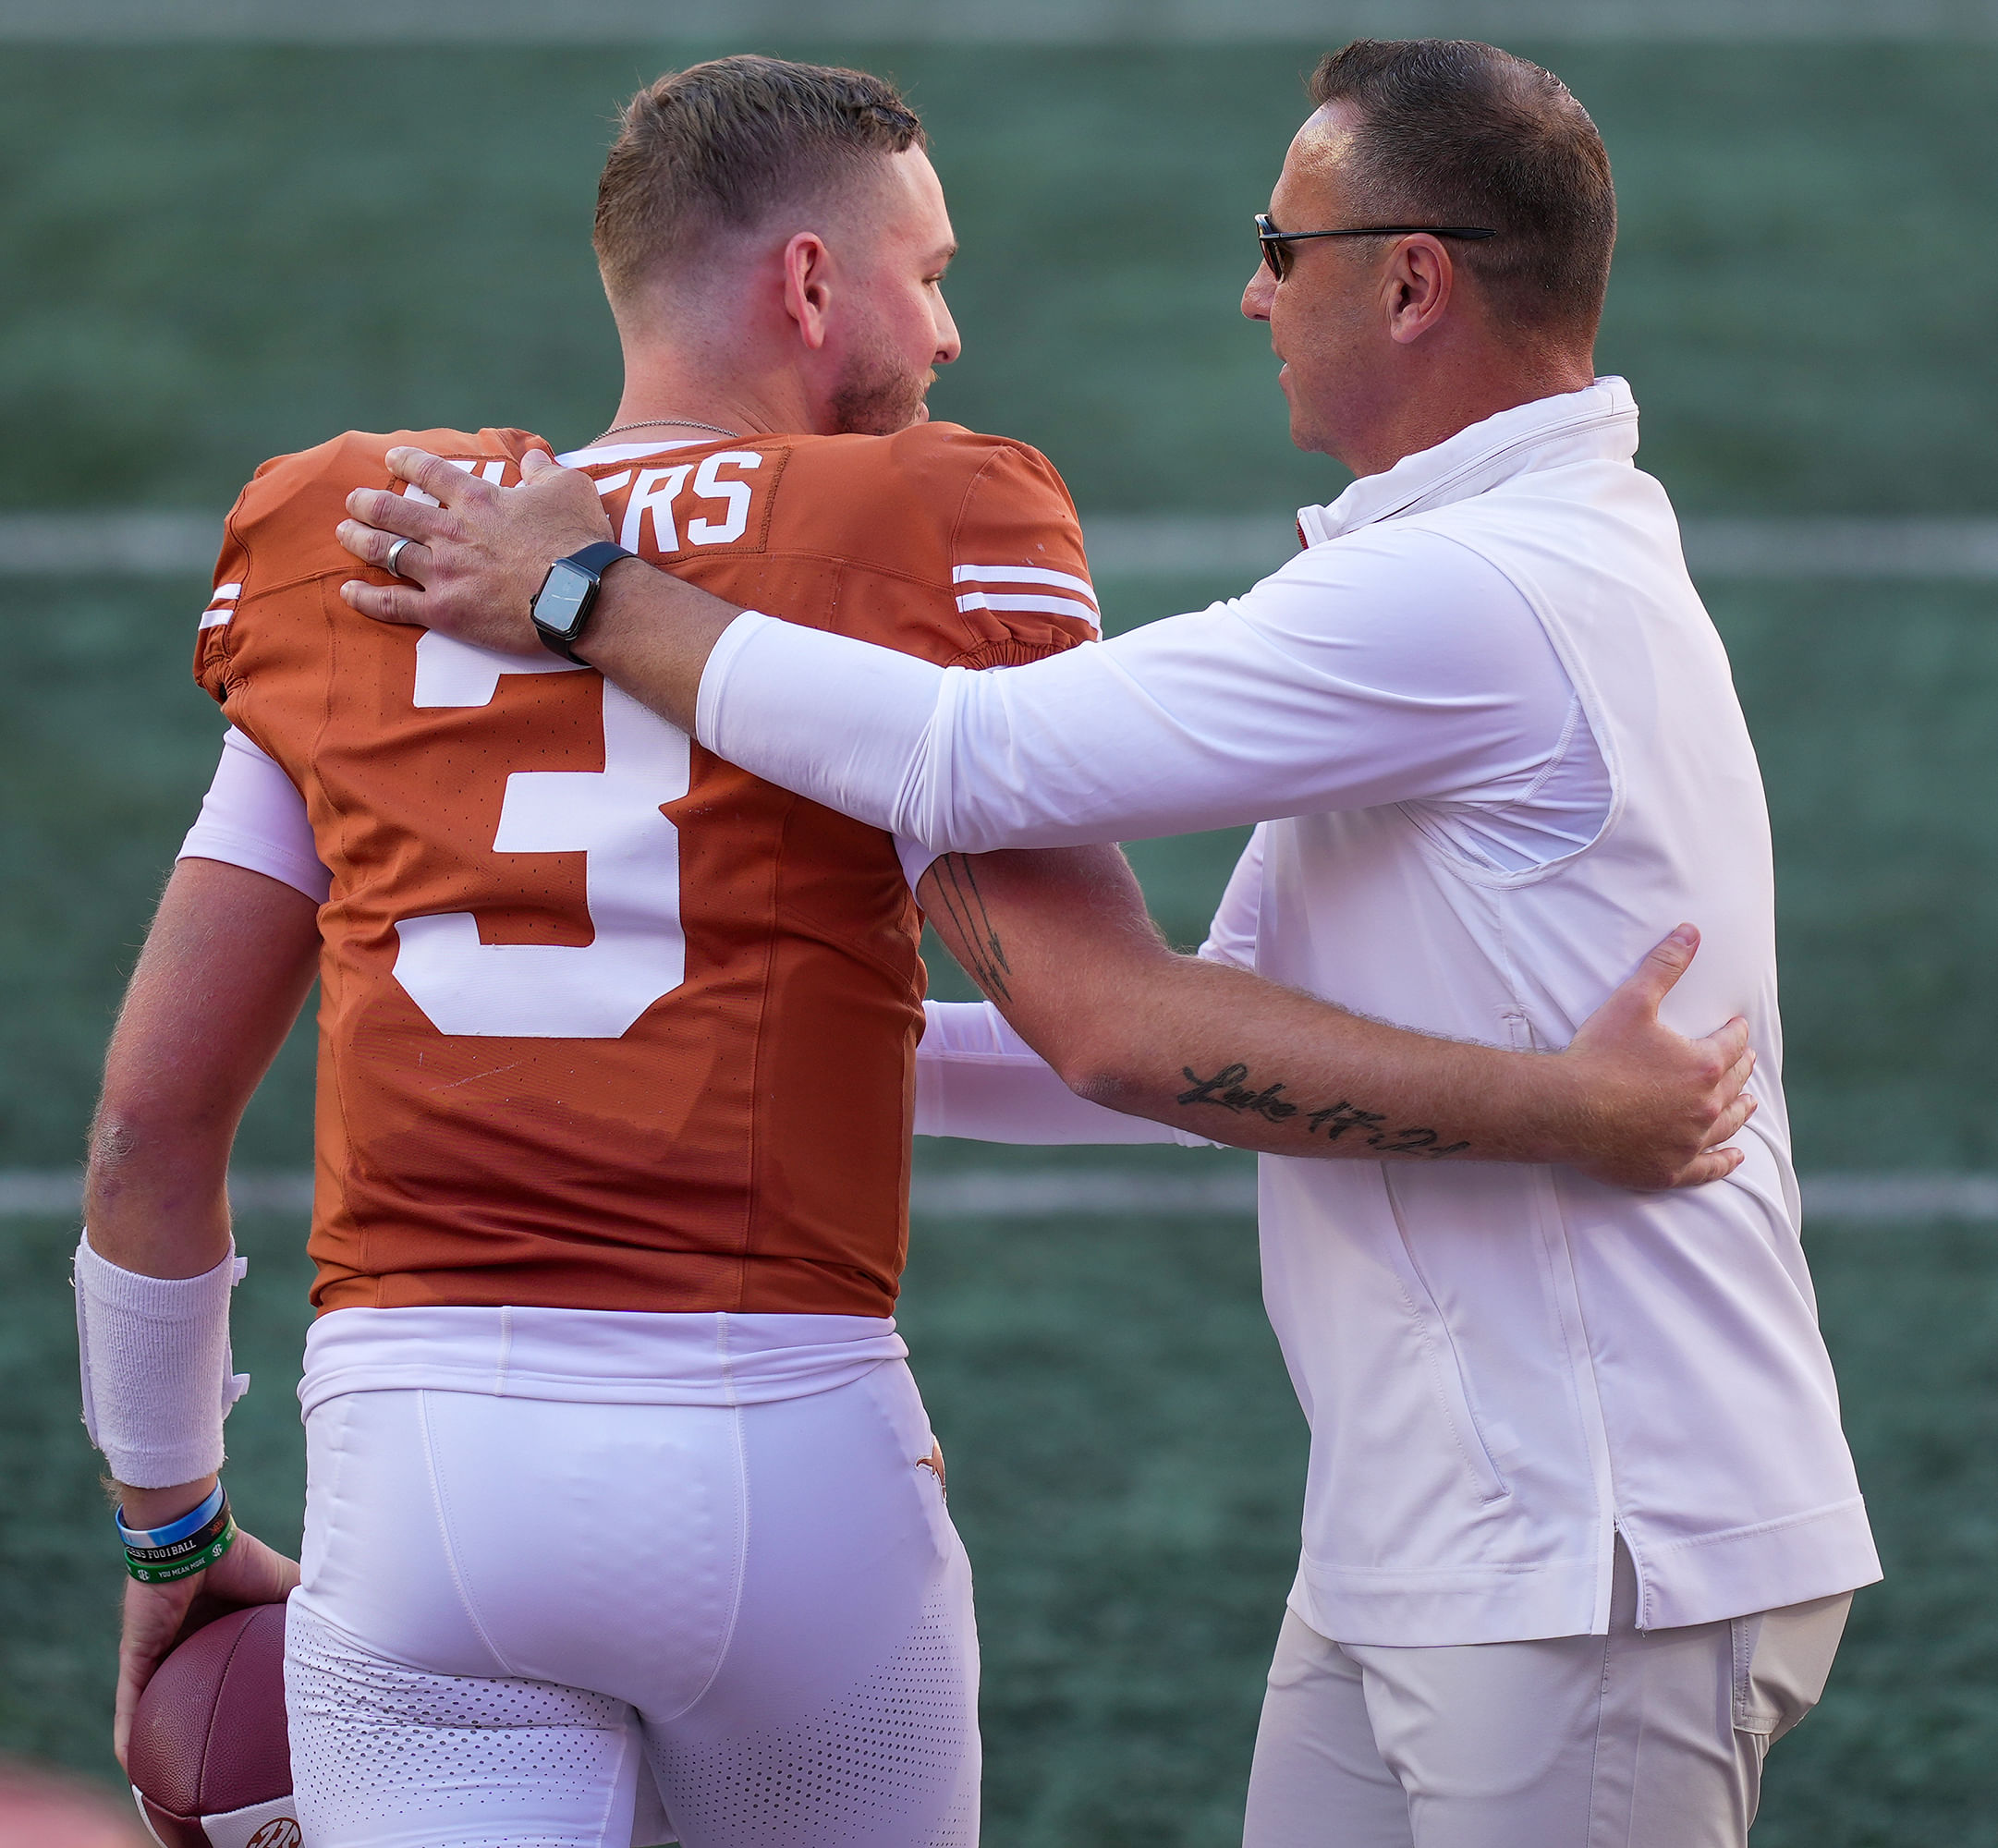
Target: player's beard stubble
<point>878,394</point>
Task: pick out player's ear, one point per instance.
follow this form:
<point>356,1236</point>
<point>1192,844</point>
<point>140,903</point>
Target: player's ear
<point>808,293</point>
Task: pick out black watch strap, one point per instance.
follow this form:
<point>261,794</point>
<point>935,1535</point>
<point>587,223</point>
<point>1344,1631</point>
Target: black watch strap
<point>597,559</point>
<point>589,564</point>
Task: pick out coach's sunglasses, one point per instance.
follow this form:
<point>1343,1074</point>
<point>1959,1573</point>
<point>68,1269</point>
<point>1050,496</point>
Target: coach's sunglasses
<point>1276,259</point>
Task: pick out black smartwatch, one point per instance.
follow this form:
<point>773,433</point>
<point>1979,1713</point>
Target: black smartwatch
<point>562,606</point>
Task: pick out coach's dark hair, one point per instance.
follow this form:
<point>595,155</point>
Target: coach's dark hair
<point>720,145</point>
<point>1453,132</point>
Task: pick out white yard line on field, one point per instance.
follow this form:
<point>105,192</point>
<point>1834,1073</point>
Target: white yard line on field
<point>1161,544</point>
<point>1095,1193</point>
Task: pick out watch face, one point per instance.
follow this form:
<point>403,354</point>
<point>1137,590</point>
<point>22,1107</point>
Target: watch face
<point>560,603</point>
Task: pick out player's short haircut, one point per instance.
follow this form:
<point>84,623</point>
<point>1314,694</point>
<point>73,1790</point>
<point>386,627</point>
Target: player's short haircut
<point>721,146</point>
<point>1454,132</point>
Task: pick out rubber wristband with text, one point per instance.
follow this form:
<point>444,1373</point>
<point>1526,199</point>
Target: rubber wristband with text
<point>193,1544</point>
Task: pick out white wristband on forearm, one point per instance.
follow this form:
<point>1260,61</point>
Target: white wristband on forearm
<point>157,1375</point>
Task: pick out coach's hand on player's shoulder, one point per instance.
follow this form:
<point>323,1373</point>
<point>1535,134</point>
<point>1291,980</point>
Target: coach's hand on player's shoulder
<point>476,558</point>
<point>157,1617</point>
<point>1650,1108</point>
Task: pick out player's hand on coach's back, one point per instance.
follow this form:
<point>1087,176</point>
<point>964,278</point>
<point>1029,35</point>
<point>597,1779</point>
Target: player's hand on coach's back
<point>1652,1109</point>
<point>158,1617</point>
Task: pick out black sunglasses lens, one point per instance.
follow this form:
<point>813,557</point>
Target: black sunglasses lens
<point>1275,255</point>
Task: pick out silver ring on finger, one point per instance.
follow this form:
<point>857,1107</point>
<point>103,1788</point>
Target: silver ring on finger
<point>390,564</point>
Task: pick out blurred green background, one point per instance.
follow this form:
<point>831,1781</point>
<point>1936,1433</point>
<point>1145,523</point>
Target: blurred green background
<point>215,254</point>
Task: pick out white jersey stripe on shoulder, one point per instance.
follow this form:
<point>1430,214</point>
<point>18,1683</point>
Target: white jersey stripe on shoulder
<point>216,617</point>
<point>222,594</point>
<point>1052,606</point>
<point>1021,574</point>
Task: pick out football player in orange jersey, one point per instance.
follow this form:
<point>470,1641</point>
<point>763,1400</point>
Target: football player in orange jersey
<point>617,1481</point>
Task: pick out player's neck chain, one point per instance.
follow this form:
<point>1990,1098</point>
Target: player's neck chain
<point>654,422</point>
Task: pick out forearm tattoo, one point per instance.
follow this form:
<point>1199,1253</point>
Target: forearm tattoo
<point>986,959</point>
<point>1229,1090</point>
<point>956,887</point>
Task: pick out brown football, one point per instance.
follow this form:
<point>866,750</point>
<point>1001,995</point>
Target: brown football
<point>210,1757</point>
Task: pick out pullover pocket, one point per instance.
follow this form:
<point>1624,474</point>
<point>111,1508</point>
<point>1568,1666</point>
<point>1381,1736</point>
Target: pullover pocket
<point>1445,1363</point>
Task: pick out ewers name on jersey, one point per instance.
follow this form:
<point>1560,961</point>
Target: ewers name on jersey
<point>604,1022</point>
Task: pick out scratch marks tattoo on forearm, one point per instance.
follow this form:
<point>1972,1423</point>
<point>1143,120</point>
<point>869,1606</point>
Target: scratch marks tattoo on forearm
<point>957,885</point>
<point>1231,1090</point>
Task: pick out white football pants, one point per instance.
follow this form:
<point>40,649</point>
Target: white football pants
<point>514,1609</point>
<point>1638,1739</point>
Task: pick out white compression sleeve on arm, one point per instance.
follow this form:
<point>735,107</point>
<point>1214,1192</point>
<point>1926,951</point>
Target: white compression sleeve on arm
<point>157,1375</point>
<point>976,1077</point>
<point>254,817</point>
<point>1388,667</point>
<point>886,700</point>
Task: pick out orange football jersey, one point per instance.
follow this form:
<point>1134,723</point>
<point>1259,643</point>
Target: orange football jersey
<point>604,1022</point>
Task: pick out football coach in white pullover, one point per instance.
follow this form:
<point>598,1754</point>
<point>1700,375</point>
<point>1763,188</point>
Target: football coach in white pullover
<point>1580,1529</point>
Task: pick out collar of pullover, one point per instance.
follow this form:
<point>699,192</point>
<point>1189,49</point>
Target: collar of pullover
<point>1597,423</point>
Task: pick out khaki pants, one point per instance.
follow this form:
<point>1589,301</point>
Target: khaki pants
<point>1633,1740</point>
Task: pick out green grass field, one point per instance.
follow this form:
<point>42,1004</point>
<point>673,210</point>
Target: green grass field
<point>218,255</point>
<point>1124,1466</point>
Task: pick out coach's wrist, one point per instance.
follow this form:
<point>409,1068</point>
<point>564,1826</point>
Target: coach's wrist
<point>651,633</point>
<point>613,620</point>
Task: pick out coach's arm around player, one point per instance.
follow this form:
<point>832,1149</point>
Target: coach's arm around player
<point>227,965</point>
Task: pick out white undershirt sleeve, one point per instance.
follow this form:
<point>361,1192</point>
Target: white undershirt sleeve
<point>1389,666</point>
<point>976,1078</point>
<point>254,817</point>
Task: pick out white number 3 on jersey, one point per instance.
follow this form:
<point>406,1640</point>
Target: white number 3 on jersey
<point>554,991</point>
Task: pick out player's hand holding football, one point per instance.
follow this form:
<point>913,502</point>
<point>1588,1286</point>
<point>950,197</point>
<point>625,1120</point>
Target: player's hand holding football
<point>1652,1109</point>
<point>158,1616</point>
<point>476,559</point>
